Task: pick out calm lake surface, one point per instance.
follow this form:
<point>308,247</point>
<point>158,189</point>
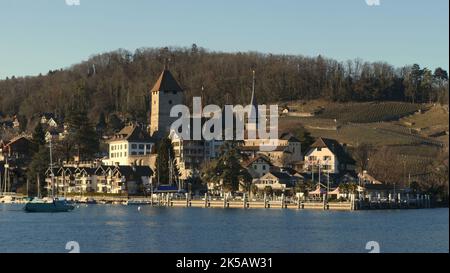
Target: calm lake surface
<point>103,228</point>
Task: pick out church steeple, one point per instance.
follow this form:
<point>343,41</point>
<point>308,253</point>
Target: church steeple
<point>253,118</point>
<point>253,101</point>
<point>254,113</point>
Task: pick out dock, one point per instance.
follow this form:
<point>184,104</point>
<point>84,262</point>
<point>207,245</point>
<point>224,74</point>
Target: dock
<point>418,202</point>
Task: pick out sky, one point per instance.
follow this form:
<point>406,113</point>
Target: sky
<point>39,35</point>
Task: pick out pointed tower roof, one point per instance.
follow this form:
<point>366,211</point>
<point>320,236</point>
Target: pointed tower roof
<point>166,82</point>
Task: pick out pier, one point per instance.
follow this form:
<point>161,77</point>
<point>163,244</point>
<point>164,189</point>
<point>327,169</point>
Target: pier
<point>166,200</point>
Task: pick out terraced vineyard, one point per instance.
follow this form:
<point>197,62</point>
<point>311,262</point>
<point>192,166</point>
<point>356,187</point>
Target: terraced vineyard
<point>369,112</point>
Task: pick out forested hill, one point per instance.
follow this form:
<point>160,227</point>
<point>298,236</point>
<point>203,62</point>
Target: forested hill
<point>119,81</point>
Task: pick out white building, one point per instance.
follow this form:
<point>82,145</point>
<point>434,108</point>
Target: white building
<point>328,155</point>
<point>190,154</point>
<point>131,146</point>
<point>101,179</point>
<point>258,166</point>
<point>275,180</point>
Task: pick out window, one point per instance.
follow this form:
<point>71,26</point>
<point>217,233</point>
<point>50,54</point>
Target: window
<point>141,146</point>
<point>148,146</point>
<point>264,167</point>
<point>255,167</point>
<point>319,149</point>
<point>133,146</point>
<point>170,102</point>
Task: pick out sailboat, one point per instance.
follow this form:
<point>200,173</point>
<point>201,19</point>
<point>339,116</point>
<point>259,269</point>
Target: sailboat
<point>53,204</point>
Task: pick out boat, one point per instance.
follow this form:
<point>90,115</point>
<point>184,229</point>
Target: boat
<point>51,204</point>
<point>48,205</point>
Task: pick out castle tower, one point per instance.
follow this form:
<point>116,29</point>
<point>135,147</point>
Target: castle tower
<point>165,94</point>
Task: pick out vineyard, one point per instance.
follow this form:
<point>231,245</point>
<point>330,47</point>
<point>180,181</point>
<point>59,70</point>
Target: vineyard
<point>369,112</point>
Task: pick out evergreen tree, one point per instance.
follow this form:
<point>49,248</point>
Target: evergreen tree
<point>166,154</point>
<point>39,135</point>
<point>101,124</point>
<point>82,135</point>
<point>228,170</point>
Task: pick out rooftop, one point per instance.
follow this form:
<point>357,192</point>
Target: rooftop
<point>166,83</point>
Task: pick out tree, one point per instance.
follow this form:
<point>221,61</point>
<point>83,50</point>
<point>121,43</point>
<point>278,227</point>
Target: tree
<point>115,124</point>
<point>166,158</point>
<point>101,124</point>
<point>38,135</point>
<point>361,155</point>
<point>441,82</point>
<point>227,169</point>
<point>304,136</point>
<point>37,168</point>
<point>196,184</point>
<point>268,190</point>
<point>82,135</point>
<point>412,82</point>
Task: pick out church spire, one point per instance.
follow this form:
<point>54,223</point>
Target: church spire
<point>253,101</point>
<point>254,115</point>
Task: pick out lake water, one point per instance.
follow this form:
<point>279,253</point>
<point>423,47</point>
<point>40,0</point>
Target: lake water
<point>102,228</point>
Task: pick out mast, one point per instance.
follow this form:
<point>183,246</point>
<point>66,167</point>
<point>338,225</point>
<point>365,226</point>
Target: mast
<point>51,170</point>
<point>38,186</point>
<point>6,180</point>
<point>170,168</point>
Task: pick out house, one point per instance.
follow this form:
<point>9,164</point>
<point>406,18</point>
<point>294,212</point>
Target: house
<point>131,146</point>
<point>101,180</point>
<point>366,178</point>
<point>329,156</point>
<point>18,147</point>
<point>52,135</point>
<point>258,166</point>
<point>275,180</point>
<point>46,117</point>
<point>16,123</point>
<point>286,110</point>
<point>52,123</point>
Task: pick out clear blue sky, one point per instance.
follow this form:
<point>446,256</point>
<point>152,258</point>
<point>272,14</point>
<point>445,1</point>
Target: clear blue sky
<point>39,35</point>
